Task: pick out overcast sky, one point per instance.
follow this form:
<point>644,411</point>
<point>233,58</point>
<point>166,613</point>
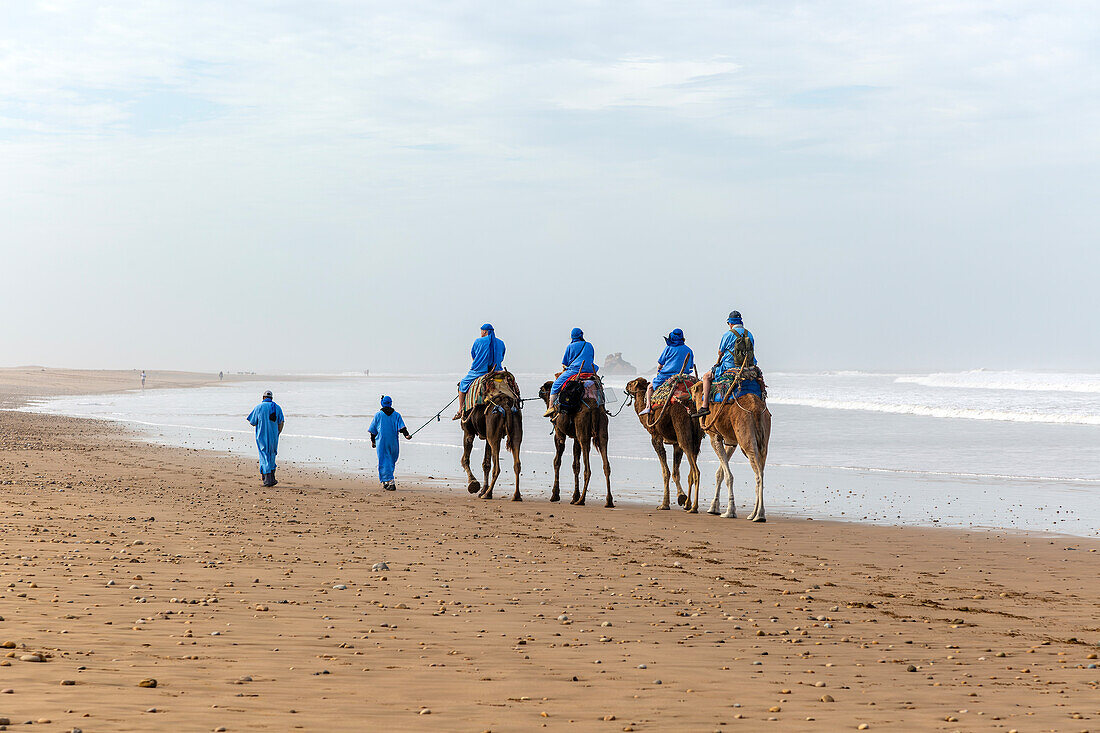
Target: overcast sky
<point>351,185</point>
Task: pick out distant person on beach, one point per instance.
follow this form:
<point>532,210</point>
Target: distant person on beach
<point>220,375</point>
<point>267,418</point>
<point>385,426</point>
<point>675,360</point>
<point>143,379</point>
<point>731,355</point>
<point>487,355</point>
<point>580,358</point>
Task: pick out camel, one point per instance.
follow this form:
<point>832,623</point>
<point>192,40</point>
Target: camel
<point>498,417</point>
<point>585,422</point>
<point>746,423</point>
<point>671,424</point>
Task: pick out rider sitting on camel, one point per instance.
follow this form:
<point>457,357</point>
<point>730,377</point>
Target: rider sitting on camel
<point>676,359</point>
<point>487,355</point>
<point>580,358</point>
<point>726,359</point>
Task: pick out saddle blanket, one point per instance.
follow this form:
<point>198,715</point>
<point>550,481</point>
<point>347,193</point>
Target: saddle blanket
<point>676,388</point>
<point>593,387</point>
<point>750,381</point>
<point>489,385</point>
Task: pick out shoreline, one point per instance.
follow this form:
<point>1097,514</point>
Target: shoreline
<point>262,609</point>
<point>48,383</point>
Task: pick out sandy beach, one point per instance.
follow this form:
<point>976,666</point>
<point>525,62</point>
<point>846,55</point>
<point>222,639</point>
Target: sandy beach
<point>267,609</point>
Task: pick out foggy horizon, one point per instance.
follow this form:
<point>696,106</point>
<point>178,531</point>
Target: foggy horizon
<point>338,187</point>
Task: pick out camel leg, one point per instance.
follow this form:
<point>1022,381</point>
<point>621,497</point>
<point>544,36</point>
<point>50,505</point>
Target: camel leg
<point>677,456</point>
<point>576,471</point>
<point>601,446</point>
<point>757,469</point>
<point>486,464</point>
<point>559,448</point>
<point>731,509</point>
<point>719,450</point>
<point>586,448</point>
<point>516,468</point>
<point>662,454</point>
<point>472,484</point>
<point>494,458</point>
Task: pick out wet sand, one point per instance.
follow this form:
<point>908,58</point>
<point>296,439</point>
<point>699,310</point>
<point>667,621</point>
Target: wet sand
<point>262,609</point>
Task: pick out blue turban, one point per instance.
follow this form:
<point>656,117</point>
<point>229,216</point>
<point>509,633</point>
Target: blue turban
<point>386,401</point>
<point>675,338</point>
<point>735,318</point>
<point>576,334</point>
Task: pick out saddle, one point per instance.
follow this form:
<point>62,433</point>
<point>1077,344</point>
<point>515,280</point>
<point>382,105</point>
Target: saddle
<point>737,382</point>
<point>677,389</point>
<point>579,389</point>
<point>494,388</point>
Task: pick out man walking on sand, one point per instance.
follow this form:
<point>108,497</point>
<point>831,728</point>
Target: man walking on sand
<point>267,418</point>
<point>385,426</point>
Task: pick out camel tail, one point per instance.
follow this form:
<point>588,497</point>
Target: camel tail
<point>761,442</point>
<point>515,431</point>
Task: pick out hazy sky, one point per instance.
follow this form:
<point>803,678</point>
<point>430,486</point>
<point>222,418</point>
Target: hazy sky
<point>350,185</point>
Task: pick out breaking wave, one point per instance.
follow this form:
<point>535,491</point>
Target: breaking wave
<point>941,411</point>
<point>1009,381</point>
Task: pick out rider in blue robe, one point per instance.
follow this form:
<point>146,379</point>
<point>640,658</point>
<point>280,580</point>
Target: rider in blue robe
<point>676,359</point>
<point>580,358</point>
<point>385,426</point>
<point>726,360</point>
<point>487,355</point>
<point>267,418</point>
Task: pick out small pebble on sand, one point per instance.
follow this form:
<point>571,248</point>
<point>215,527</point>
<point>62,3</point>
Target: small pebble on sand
<point>147,682</point>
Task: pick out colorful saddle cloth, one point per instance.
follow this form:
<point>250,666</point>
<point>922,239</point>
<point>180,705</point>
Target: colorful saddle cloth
<point>493,387</point>
<point>593,386</point>
<point>747,381</point>
<point>677,388</point>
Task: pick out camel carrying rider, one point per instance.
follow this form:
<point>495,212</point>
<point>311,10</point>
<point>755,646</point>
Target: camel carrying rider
<point>676,359</point>
<point>487,355</point>
<point>734,350</point>
<point>580,358</point>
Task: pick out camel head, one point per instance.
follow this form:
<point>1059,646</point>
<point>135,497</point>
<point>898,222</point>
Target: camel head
<point>697,394</point>
<point>637,387</point>
<point>544,392</point>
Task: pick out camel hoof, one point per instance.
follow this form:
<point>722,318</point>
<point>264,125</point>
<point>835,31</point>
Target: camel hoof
<point>712,511</point>
<point>759,519</point>
<point>473,487</point>
<point>662,507</point>
<point>485,495</point>
<point>729,515</point>
<point>609,505</point>
<point>517,498</point>
<point>578,502</point>
<point>682,499</point>
<point>555,497</point>
<point>693,510</point>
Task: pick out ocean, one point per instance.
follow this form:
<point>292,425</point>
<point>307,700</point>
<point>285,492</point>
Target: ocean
<point>975,449</point>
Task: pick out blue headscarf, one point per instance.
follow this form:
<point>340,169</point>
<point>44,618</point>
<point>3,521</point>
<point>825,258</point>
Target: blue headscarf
<point>386,401</point>
<point>675,338</point>
<point>487,327</point>
<point>576,334</point>
<point>734,319</point>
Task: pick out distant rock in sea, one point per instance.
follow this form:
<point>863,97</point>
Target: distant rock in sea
<point>616,364</point>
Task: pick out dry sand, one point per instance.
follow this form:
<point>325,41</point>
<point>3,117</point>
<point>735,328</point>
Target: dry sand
<point>258,609</point>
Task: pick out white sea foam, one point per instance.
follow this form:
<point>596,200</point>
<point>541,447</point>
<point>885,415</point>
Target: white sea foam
<point>1011,381</point>
<point>948,411</point>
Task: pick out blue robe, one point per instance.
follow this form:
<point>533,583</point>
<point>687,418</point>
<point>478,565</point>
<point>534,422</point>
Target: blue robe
<point>384,429</point>
<point>487,354</point>
<point>677,359</point>
<point>579,357</point>
<point>267,432</point>
<point>725,351</point>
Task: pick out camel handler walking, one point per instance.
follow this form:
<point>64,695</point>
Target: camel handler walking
<point>733,352</point>
<point>676,359</point>
<point>486,355</point>
<point>267,418</point>
<point>580,358</point>
<point>385,426</point>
